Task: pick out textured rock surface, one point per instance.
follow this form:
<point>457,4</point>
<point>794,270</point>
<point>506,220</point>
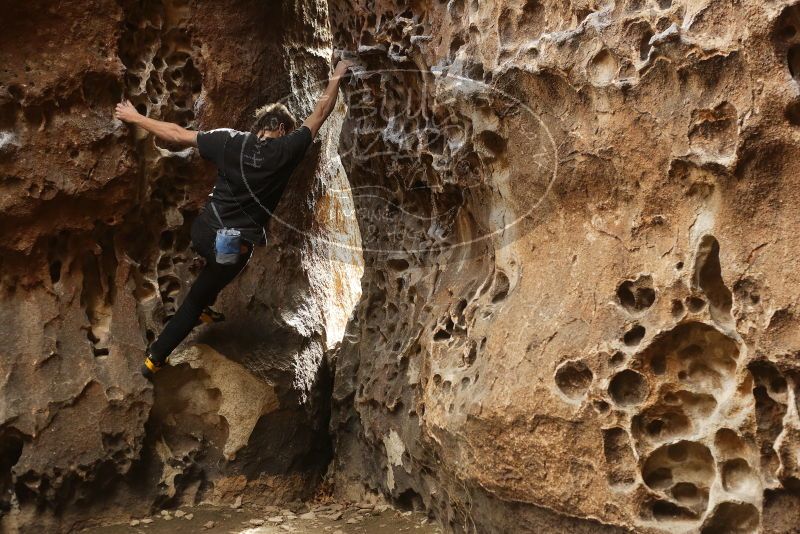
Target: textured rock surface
<point>94,259</point>
<point>580,302</point>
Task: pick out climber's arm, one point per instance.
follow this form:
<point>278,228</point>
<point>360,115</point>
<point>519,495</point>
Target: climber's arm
<point>163,130</point>
<point>327,101</point>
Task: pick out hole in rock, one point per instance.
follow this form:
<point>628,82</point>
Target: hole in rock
<point>654,427</point>
<point>628,388</point>
<point>397,264</point>
<point>573,378</point>
<point>603,67</point>
<point>11,446</point>
<point>737,476</point>
<point>601,407</point>
<point>677,308</point>
<point>661,423</point>
<point>793,60</point>
<point>444,333</point>
<point>695,304</point>
<point>708,277</point>
<point>473,69</point>
<point>672,416</point>
<point>768,376</point>
<point>678,452</point>
<point>167,240</point>
<point>455,45</point>
<point>10,450</point>
<point>634,336</point>
<point>410,500</point>
<point>728,442</point>
<point>770,412</point>
<point>686,462</point>
<point>459,309</point>
<point>732,518</point>
<point>685,493</point>
<point>55,271</point>
<point>471,354</point>
<point>664,4</point>
<point>636,295</point>
<point>645,46</point>
<point>634,5</point>
<point>501,287</point>
<point>658,364</point>
<point>16,92</point>
<point>441,335</point>
<point>667,511</point>
<point>493,141</point>
<point>696,352</point>
<point>617,358</point>
<point>792,112</point>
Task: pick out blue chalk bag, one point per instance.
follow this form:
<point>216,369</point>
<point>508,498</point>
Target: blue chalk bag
<point>228,242</point>
<point>227,245</point>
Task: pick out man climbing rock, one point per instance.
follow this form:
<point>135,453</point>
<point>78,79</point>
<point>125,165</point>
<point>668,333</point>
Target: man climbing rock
<point>254,168</point>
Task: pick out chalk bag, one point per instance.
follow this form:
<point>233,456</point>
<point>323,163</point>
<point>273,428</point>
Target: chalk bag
<point>227,245</point>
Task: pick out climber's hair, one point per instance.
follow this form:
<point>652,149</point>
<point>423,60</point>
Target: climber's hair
<point>271,116</point>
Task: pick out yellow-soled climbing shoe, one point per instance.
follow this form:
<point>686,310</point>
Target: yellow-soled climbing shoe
<point>210,315</point>
<point>150,367</point>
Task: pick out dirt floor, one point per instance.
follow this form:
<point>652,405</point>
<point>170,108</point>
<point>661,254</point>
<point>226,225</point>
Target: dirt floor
<point>304,519</point>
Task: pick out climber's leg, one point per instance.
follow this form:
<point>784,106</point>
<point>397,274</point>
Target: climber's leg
<point>212,279</point>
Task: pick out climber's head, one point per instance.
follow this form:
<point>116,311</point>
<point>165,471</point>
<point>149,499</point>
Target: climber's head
<point>273,120</point>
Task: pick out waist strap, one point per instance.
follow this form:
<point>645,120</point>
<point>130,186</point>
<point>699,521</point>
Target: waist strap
<point>213,207</point>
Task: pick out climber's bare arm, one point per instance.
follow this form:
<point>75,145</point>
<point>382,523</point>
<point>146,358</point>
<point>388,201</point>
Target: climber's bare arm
<point>163,130</point>
<point>327,101</point>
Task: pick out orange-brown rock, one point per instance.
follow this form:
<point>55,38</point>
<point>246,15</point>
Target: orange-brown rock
<point>95,258</point>
<point>580,303</point>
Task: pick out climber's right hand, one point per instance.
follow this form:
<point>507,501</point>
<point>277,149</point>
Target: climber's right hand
<point>126,112</point>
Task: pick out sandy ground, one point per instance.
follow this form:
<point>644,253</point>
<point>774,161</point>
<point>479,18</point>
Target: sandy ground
<point>308,519</point>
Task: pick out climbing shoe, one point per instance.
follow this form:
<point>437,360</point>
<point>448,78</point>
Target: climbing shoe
<point>210,315</point>
<point>151,366</point>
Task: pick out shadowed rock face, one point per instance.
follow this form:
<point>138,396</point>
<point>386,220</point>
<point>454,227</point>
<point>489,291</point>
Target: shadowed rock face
<point>578,221</point>
<point>95,258</point>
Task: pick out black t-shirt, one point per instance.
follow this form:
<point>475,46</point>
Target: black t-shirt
<point>253,173</point>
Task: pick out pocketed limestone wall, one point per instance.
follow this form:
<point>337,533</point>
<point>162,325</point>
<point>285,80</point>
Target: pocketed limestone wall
<point>580,302</point>
<point>95,258</point>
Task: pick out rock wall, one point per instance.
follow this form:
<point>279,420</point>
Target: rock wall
<point>580,303</point>
<point>95,258</point>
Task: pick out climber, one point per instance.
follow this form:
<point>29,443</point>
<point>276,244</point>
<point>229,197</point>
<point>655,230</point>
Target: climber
<point>254,168</point>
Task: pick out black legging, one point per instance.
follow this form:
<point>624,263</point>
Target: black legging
<point>203,292</point>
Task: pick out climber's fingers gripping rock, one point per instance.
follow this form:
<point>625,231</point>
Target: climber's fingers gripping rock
<point>126,112</point>
<point>342,67</point>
